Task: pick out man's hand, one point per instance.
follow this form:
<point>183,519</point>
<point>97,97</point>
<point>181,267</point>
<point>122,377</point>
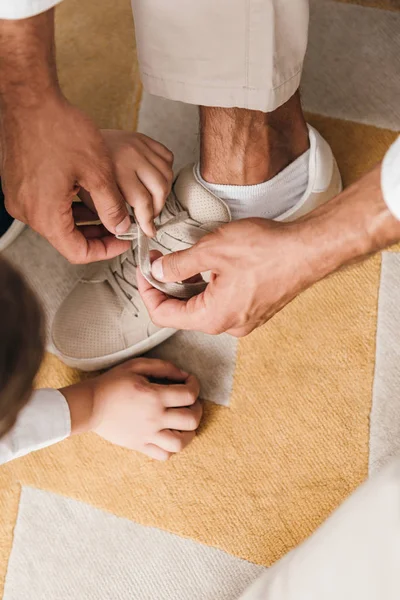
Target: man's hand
<point>128,407</point>
<point>51,150</point>
<point>258,266</point>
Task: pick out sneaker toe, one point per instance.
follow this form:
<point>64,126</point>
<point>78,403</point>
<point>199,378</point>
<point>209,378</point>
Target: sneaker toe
<point>88,323</point>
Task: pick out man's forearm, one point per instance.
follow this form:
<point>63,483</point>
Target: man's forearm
<point>27,60</point>
<point>353,225</point>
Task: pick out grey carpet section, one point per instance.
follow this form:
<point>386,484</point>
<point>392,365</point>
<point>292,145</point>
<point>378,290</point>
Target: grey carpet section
<point>385,414</point>
<point>353,64</point>
<point>82,553</point>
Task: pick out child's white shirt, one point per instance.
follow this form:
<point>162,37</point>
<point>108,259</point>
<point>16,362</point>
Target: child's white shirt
<point>44,421</point>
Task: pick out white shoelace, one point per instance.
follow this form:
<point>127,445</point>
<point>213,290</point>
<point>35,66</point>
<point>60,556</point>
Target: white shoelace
<point>189,231</point>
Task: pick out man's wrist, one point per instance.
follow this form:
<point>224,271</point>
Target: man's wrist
<point>27,69</point>
<point>353,225</point>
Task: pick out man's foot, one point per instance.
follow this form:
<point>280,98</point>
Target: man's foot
<point>261,164</point>
<point>104,321</point>
<point>9,228</point>
<point>311,180</point>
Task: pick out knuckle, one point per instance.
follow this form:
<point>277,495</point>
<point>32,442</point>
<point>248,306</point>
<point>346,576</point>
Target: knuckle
<point>155,320</point>
<point>172,261</point>
<point>177,444</point>
<point>192,421</point>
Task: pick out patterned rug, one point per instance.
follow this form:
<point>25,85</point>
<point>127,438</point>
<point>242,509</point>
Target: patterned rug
<point>296,413</point>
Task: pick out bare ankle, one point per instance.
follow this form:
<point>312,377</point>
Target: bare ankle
<point>246,147</point>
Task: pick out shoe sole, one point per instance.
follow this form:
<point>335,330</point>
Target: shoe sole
<point>11,234</point>
<point>105,362</point>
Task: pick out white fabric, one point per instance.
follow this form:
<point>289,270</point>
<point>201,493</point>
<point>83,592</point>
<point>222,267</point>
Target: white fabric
<point>355,555</point>
<point>44,421</point>
<point>266,200</point>
<point>391,178</point>
<point>23,9</point>
<point>245,53</point>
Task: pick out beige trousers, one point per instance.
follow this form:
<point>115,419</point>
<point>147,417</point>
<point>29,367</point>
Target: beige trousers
<point>229,53</point>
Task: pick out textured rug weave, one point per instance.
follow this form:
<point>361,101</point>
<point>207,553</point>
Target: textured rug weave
<point>295,413</point>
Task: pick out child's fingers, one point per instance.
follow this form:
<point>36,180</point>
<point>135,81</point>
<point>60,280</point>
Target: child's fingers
<point>179,394</point>
<point>161,166</point>
<point>156,452</point>
<point>174,441</point>
<point>157,368</point>
<point>158,148</point>
<point>183,419</point>
<point>158,186</point>
<point>140,198</point>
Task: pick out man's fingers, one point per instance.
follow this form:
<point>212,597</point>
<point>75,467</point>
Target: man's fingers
<point>75,247</point>
<point>159,369</point>
<point>173,441</point>
<point>184,394</point>
<point>110,204</point>
<point>184,419</point>
<point>171,312</point>
<point>180,265</point>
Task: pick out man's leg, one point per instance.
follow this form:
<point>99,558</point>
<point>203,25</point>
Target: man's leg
<point>241,62</point>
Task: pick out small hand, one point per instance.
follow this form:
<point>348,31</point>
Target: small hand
<point>127,408</point>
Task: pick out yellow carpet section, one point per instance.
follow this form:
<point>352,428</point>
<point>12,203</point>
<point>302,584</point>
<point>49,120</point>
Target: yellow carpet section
<point>265,472</point>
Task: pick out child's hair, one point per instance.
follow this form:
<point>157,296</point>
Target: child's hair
<point>21,343</point>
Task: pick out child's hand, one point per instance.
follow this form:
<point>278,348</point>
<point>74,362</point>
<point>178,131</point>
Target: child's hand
<point>126,408</point>
<point>143,172</point>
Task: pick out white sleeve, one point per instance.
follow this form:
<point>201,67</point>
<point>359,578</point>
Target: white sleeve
<point>45,420</point>
<point>390,178</point>
<point>23,9</point>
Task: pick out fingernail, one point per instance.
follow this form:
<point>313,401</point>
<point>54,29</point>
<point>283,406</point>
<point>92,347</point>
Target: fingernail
<point>123,226</point>
<point>157,269</point>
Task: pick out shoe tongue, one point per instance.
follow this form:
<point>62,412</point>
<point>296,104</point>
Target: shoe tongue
<point>202,205</point>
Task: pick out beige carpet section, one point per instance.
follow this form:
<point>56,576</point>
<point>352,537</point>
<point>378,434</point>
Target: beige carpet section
<point>126,561</point>
<point>385,414</point>
<point>292,440</point>
<point>353,64</point>
<point>96,59</point>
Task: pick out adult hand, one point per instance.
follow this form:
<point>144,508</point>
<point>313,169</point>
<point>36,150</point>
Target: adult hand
<point>258,266</point>
<point>250,280</point>
<point>50,150</point>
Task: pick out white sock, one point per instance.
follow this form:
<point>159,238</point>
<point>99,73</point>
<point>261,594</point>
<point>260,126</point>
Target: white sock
<point>268,200</point>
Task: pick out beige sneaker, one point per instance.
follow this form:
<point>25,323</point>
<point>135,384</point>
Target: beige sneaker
<point>103,321</point>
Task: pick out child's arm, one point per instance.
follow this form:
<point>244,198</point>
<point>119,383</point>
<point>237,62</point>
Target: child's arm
<point>124,406</point>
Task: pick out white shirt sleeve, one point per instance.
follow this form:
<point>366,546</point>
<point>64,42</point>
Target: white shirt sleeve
<point>390,178</point>
<point>22,9</point>
<point>44,421</point>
